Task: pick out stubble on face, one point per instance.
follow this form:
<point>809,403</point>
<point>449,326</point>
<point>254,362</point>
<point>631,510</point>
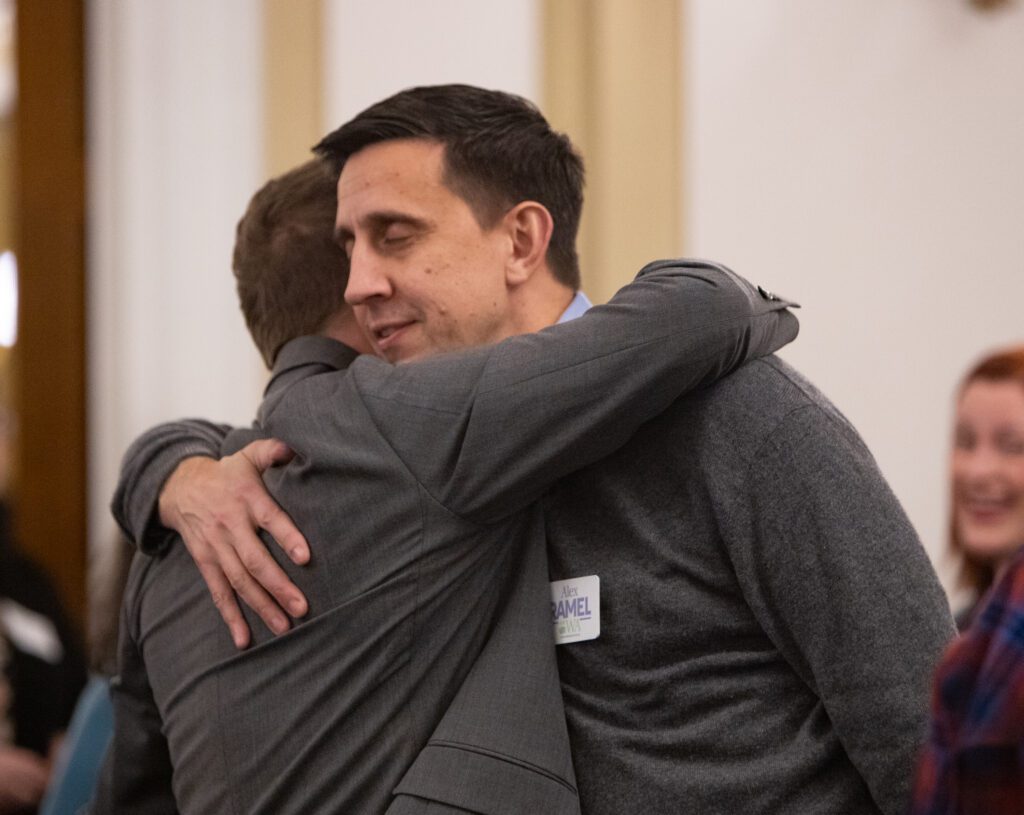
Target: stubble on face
<point>425,277</point>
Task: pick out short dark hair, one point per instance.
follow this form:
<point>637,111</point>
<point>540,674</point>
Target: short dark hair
<point>290,272</point>
<point>499,151</point>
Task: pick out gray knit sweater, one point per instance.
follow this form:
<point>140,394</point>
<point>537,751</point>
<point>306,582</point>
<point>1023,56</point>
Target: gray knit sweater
<point>770,621</point>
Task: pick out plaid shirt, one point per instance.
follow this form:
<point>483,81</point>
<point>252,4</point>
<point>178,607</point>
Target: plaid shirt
<point>973,763</point>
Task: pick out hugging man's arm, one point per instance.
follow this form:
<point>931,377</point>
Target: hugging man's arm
<point>512,418</point>
<point>681,325</point>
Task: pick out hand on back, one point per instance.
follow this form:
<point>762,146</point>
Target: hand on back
<point>218,508</point>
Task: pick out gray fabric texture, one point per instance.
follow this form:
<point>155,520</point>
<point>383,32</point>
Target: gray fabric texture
<point>428,647</point>
<point>143,477</point>
<point>770,622</point>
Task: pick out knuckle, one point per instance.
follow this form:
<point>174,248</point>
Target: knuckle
<point>253,562</point>
<point>237,580</point>
<point>219,521</point>
<point>264,515</point>
<point>237,491</point>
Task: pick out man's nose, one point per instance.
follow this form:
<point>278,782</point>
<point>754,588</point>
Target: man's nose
<point>367,277</point>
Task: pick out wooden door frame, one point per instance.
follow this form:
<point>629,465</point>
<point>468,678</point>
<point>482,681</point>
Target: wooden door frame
<point>49,359</point>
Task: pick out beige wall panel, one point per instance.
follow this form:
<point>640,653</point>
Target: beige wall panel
<point>293,70</point>
<point>612,82</point>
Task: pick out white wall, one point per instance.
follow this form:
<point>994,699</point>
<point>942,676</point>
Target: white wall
<point>175,151</point>
<point>375,49</point>
<point>867,159</point>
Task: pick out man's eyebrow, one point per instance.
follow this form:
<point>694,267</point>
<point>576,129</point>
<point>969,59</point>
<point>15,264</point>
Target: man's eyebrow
<point>385,218</point>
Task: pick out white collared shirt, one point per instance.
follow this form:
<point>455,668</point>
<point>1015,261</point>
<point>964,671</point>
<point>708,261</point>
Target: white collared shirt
<point>577,308</point>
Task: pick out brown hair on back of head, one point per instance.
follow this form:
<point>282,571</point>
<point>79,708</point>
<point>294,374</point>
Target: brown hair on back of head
<point>290,273</point>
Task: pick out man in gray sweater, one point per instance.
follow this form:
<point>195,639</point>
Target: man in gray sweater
<point>768,619</point>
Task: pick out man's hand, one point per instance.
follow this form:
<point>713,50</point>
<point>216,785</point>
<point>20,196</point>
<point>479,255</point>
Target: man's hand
<point>23,777</point>
<point>216,507</point>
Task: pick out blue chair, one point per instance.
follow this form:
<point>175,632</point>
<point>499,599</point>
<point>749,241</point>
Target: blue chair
<point>77,768</point>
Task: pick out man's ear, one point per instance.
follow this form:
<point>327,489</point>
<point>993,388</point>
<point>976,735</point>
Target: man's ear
<point>529,226</point>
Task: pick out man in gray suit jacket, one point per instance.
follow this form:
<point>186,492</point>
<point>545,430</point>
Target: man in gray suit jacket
<point>426,666</point>
<point>769,620</point>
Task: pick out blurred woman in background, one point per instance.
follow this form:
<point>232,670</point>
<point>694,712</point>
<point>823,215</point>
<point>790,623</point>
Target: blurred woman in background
<point>987,517</point>
<point>972,762</point>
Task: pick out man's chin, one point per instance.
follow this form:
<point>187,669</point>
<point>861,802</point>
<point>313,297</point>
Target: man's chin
<point>412,356</point>
<point>399,354</point>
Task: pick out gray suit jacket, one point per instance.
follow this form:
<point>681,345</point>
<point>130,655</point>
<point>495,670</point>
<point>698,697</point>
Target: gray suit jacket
<point>426,666</point>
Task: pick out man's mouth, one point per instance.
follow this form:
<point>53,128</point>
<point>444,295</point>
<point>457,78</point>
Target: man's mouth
<point>386,335</point>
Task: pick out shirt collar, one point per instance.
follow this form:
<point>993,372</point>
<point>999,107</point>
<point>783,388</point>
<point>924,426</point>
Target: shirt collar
<point>577,308</point>
<point>305,356</point>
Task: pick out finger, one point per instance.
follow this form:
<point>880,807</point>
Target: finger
<point>266,453</point>
<point>269,516</point>
<point>224,600</point>
<point>276,521</point>
<point>263,569</point>
<point>251,592</point>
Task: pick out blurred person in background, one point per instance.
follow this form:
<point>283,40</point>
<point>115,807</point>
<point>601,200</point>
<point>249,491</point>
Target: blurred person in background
<point>973,763</point>
<point>987,504</point>
<point>42,669</point>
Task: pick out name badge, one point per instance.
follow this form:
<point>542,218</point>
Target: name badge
<point>576,609</point>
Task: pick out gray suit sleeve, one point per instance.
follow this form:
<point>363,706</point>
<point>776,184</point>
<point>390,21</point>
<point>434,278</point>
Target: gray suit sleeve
<point>147,464</point>
<point>488,431</point>
<point>839,581</point>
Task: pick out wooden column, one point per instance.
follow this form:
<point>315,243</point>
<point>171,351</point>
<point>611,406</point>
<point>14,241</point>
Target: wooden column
<point>49,357</point>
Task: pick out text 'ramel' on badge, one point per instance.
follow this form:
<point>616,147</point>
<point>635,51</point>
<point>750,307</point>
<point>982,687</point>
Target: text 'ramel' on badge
<point>576,609</point>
